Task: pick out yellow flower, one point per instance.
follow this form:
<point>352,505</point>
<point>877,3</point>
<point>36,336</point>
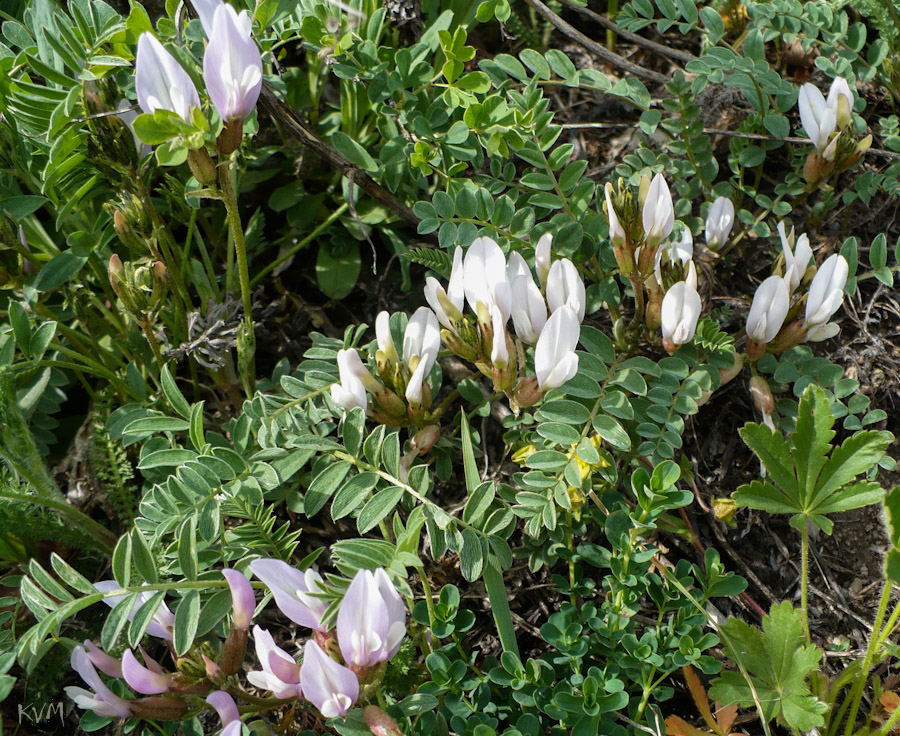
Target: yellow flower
<point>521,455</point>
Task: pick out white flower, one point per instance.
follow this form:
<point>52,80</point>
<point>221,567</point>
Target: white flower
<point>448,304</point>
<point>819,119</point>
<point>616,231</point>
<point>421,344</point>
<point>542,257</point>
<point>565,286</point>
<point>383,336</point>
<point>484,275</point>
<point>681,250</point>
<point>719,222</point>
<point>680,310</point>
<point>232,66</point>
<point>840,97</point>
<point>826,294</point>
<point>768,310</point>
<point>499,351</point>
<point>796,261</point>
<point>529,313</point>
<point>659,212</point>
<point>555,360</point>
<point>351,391</point>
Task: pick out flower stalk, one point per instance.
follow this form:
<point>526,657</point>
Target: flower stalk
<point>246,337</point>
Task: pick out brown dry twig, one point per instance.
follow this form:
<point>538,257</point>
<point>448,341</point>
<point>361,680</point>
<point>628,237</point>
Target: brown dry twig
<point>292,124</point>
<point>729,133</point>
<point>634,38</point>
<point>595,48</point>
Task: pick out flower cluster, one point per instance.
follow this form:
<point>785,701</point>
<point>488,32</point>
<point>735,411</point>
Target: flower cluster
<point>232,70</point>
<point>371,624</point>
<point>827,123</point>
<point>546,316</point>
<point>640,233</point>
<point>774,323</point>
<point>337,667</point>
<point>404,378</point>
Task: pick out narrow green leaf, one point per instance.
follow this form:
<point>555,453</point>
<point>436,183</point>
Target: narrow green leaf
<point>378,507</point>
<point>187,548</point>
<point>187,619</point>
<point>143,557</point>
<point>116,620</point>
<point>71,576</point>
<point>143,617</point>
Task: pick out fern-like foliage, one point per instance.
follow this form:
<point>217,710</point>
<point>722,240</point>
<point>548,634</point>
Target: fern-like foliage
<point>112,470</point>
<point>438,261</point>
<point>883,16</point>
<point>23,527</point>
<point>260,532</point>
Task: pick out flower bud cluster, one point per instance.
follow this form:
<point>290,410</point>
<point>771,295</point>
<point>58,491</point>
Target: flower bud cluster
<point>827,123</point>
<point>337,667</point>
<point>774,322</point>
<point>403,395</point>
<point>141,285</point>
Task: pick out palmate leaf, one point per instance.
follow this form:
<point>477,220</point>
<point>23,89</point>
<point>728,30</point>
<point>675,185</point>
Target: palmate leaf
<point>775,453</point>
<point>812,438</point>
<point>806,481</point>
<point>777,662</point>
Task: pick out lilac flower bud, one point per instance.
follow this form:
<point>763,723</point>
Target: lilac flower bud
<point>228,712</point>
<point>160,81</point>
<point>100,699</point>
<point>280,673</point>
<point>555,360</point>
<point>243,600</point>
<point>142,679</point>
<point>232,66</point>
<point>163,620</point>
<point>371,621</point>
<point>565,286</point>
<point>329,686</point>
<point>768,310</point>
<point>292,590</point>
<point>107,664</point>
<point>379,722</point>
<point>719,222</point>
